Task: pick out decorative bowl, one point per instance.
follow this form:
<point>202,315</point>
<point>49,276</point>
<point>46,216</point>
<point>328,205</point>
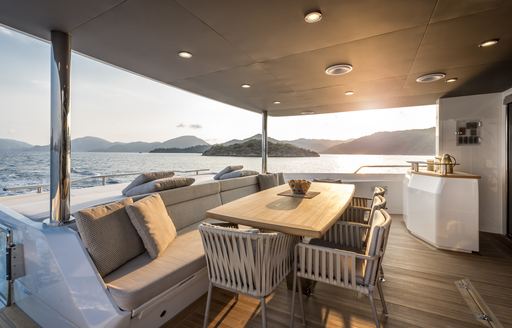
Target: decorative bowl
<point>299,186</point>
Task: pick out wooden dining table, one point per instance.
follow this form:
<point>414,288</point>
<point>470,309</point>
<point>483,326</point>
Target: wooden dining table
<point>299,216</point>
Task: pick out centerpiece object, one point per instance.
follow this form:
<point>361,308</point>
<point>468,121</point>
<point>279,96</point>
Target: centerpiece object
<point>299,187</point>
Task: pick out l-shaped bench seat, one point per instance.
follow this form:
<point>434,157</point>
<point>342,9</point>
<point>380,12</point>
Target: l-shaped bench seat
<point>149,287</point>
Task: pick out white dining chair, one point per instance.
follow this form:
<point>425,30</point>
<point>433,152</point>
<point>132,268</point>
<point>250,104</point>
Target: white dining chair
<point>332,263</point>
<point>246,262</point>
<point>367,202</point>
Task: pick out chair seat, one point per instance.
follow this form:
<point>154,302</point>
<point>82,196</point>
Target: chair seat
<point>142,279</point>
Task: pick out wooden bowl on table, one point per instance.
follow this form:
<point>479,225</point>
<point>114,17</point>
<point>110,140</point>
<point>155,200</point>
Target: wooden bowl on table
<point>300,187</point>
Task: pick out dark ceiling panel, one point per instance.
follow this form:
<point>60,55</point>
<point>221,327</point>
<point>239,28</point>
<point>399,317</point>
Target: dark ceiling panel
<point>38,17</point>
<point>449,9</point>
<point>268,29</point>
<point>145,37</point>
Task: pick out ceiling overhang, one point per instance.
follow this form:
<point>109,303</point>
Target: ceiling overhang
<point>268,45</point>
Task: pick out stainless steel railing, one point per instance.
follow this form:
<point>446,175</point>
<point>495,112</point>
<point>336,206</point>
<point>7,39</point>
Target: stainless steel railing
<point>383,166</point>
<point>40,187</point>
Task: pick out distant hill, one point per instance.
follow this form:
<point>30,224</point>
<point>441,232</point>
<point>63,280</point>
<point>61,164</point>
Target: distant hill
<point>94,144</point>
<point>318,145</point>
<point>252,148</point>
<point>11,144</point>
<point>407,142</point>
<point>254,137</point>
<point>193,149</point>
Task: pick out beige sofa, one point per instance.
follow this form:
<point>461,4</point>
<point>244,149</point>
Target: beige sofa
<point>156,290</point>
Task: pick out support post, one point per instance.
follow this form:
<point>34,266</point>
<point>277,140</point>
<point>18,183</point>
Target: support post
<point>264,142</point>
<point>60,140</point>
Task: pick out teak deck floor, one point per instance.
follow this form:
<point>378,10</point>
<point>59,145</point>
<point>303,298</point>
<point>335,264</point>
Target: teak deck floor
<point>420,291</point>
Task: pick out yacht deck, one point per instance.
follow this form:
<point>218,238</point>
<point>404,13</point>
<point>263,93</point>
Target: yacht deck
<point>420,291</point>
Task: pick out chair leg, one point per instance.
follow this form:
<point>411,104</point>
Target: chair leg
<point>263,313</point>
<point>381,278</point>
<point>374,309</point>
<point>294,290</point>
<point>382,299</point>
<point>301,302</point>
<point>208,302</point>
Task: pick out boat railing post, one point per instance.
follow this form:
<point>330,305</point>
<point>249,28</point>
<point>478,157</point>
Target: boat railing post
<point>264,142</point>
<point>60,140</point>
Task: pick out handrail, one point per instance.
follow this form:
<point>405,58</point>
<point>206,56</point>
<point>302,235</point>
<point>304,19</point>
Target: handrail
<point>370,166</point>
<point>103,178</point>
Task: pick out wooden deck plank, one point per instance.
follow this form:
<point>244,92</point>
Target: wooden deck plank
<point>419,290</point>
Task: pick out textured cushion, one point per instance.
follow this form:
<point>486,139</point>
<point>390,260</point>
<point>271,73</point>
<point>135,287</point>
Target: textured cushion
<point>155,227</point>
<point>142,279</point>
<point>227,169</point>
<point>160,184</point>
<point>174,196</point>
<point>237,174</point>
<point>234,194</point>
<point>280,178</point>
<point>108,235</point>
<point>192,211</point>
<point>267,181</point>
<point>146,177</point>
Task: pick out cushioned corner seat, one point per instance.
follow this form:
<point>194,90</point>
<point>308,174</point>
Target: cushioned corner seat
<point>233,189</point>
<point>143,278</point>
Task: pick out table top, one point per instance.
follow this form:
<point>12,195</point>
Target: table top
<point>296,216</point>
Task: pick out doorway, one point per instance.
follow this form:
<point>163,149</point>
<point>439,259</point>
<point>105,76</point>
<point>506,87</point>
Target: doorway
<point>509,170</point>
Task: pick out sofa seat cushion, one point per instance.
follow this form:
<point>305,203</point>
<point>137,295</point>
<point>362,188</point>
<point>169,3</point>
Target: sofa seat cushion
<point>142,279</point>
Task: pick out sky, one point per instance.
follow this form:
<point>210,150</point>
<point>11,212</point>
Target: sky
<point>117,105</point>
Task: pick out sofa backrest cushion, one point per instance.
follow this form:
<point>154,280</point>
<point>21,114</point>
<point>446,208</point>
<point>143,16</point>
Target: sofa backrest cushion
<point>233,189</point>
<point>267,181</point>
<point>109,235</point>
<point>188,205</point>
<point>151,220</point>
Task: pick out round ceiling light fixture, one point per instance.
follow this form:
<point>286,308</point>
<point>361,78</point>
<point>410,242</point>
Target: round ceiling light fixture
<point>185,54</point>
<point>246,86</point>
<point>451,80</point>
<point>277,102</point>
<point>349,93</point>
<point>307,112</point>
<point>431,77</point>
<point>313,16</point>
<point>338,69</point>
<point>489,43</point>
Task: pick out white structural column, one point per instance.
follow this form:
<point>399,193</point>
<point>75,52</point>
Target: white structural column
<point>264,142</point>
<point>60,140</point>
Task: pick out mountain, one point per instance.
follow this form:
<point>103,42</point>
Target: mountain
<point>89,144</point>
<point>184,142</point>
<point>318,145</point>
<point>406,142</point>
<point>193,149</point>
<point>254,137</point>
<point>11,144</point>
<point>252,148</point>
<point>131,147</point>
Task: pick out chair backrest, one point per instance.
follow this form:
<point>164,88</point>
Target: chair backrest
<point>378,203</point>
<point>376,246</point>
<point>379,191</point>
<point>249,262</point>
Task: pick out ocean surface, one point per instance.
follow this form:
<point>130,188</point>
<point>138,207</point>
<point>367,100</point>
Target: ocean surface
<point>33,168</point>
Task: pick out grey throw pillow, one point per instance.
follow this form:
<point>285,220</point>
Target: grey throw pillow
<point>238,174</point>
<point>267,181</point>
<point>227,169</point>
<point>108,235</point>
<point>160,184</point>
<point>146,177</point>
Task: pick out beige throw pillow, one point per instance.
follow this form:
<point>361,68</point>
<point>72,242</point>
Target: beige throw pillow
<point>109,235</point>
<point>146,177</point>
<point>151,220</point>
<point>160,184</point>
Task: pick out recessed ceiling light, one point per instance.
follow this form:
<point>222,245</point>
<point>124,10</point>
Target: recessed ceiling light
<point>431,77</point>
<point>451,80</point>
<point>277,102</point>
<point>489,43</point>
<point>307,112</point>
<point>338,69</point>
<point>313,16</point>
<point>185,54</point>
<point>349,93</point>
<point>246,86</point>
